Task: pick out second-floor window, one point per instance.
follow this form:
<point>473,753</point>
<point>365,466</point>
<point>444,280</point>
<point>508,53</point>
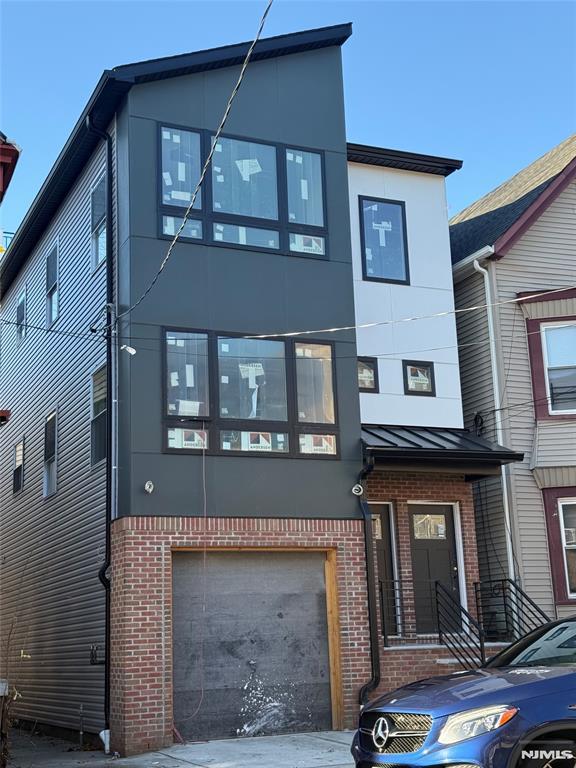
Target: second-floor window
<point>98,426</point>
<point>230,394</point>
<point>52,286</point>
<point>559,347</point>
<point>368,374</point>
<point>384,240</point>
<point>257,195</point>
<point>21,316</point>
<point>567,514</point>
<point>418,378</point>
<point>98,222</point>
<point>50,439</point>
<point>18,472</point>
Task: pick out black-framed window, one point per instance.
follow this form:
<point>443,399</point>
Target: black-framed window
<point>98,422</point>
<point>384,240</point>
<point>419,378</point>
<point>52,286</point>
<point>228,394</point>
<point>368,374</point>
<point>18,472</point>
<point>98,222</point>
<point>21,316</point>
<point>50,443</point>
<point>257,195</point>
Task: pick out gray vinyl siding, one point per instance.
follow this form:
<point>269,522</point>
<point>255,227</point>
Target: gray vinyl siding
<point>51,602</point>
<point>478,397</point>
<point>552,449</point>
<point>543,258</point>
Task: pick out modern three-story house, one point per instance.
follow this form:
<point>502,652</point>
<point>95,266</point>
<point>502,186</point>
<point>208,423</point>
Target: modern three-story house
<point>196,570</point>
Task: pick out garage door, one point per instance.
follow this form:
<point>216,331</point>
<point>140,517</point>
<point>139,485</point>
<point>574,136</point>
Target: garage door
<point>256,660</point>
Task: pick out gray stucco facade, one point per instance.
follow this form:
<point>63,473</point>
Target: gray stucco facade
<point>222,289</point>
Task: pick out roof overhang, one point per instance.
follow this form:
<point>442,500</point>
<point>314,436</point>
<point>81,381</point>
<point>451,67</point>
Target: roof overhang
<point>405,161</point>
<point>428,449</point>
<point>9,154</point>
<point>106,99</point>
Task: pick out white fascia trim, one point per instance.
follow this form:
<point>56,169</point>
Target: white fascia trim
<point>462,268</point>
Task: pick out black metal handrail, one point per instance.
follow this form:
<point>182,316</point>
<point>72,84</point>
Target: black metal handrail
<point>407,610</point>
<point>458,630</point>
<point>506,611</point>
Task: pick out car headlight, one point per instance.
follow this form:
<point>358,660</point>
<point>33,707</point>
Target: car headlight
<point>465,725</point>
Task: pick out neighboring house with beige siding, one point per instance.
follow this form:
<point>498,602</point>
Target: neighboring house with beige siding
<point>515,249</point>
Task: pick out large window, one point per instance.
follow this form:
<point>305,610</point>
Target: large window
<point>257,195</point>
<point>230,394</point>
<point>18,471</point>
<point>567,510</point>
<point>244,179</point>
<point>50,438</point>
<point>384,241</point>
<point>98,222</point>
<point>52,286</point>
<point>559,345</point>
<point>98,426</point>
<point>21,316</point>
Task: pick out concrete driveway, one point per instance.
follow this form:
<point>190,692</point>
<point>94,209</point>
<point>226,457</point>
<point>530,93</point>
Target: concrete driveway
<point>326,749</point>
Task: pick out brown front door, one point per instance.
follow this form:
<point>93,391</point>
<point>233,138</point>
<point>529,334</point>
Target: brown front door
<point>433,546</point>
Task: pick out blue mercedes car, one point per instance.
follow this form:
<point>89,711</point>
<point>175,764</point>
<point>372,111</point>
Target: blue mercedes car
<point>493,717</point>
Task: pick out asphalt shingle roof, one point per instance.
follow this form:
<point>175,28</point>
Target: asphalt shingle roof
<point>483,222</point>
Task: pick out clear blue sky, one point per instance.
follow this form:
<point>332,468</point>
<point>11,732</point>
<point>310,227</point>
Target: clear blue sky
<point>491,83</point>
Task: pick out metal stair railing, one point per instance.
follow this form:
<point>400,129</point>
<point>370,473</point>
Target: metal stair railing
<point>505,611</point>
<point>458,630</point>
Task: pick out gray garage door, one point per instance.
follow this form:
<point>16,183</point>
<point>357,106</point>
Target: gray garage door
<point>256,660</point>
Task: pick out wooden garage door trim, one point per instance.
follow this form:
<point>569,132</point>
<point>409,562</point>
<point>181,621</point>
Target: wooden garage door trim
<point>332,613</point>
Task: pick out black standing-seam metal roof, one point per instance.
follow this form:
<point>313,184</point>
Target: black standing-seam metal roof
<point>413,444</point>
<point>405,161</point>
<point>105,100</point>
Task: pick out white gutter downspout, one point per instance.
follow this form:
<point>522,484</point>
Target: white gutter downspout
<point>497,413</point>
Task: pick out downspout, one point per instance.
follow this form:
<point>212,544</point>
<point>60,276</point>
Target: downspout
<point>110,319</point>
<point>374,681</point>
<point>497,413</point>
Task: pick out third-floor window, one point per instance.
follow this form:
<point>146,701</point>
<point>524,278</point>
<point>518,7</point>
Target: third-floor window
<point>559,347</point>
<point>256,195</point>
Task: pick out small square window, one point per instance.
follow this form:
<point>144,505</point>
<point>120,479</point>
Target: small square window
<point>192,229</point>
<point>384,240</point>
<point>419,378</point>
<point>187,439</point>
<point>317,444</point>
<point>368,374</point>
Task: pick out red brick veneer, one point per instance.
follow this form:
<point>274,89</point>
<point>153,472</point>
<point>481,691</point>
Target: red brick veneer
<point>141,643</point>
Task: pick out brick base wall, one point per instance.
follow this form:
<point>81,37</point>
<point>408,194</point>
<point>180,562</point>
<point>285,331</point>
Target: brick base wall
<point>141,643</point>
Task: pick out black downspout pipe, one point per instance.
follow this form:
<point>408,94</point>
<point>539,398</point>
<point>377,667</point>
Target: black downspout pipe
<point>103,572</point>
<point>374,681</point>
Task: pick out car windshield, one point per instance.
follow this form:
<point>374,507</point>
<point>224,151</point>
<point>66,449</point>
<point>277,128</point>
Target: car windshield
<point>553,645</point>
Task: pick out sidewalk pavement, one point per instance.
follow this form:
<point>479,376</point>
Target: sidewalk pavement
<point>326,749</point>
